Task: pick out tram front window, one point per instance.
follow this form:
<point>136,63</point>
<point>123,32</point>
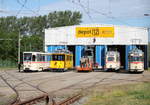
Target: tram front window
<point>110,59</point>
<point>136,58</point>
<point>27,56</point>
<point>88,53</point>
<point>58,57</point>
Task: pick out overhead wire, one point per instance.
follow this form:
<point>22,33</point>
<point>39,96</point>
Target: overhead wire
<point>28,8</point>
<point>22,6</point>
<point>39,8</point>
<point>86,10</point>
<point>97,11</point>
<point>22,3</point>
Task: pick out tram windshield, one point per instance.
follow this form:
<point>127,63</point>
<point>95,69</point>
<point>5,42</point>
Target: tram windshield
<point>27,56</point>
<point>136,58</point>
<point>58,57</point>
<point>88,53</point>
<point>110,59</point>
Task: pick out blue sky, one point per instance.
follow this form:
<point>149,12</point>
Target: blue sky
<point>122,12</point>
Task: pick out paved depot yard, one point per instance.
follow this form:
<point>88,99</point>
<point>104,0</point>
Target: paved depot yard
<point>58,84</point>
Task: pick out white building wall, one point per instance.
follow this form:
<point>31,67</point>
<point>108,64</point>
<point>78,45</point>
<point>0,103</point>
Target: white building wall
<point>124,35</point>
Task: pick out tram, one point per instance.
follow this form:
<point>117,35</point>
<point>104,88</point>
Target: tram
<point>35,61</point>
<point>112,61</point>
<point>86,62</point>
<point>61,60</point>
<point>136,60</point>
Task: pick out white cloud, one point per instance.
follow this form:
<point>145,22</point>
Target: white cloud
<point>99,11</point>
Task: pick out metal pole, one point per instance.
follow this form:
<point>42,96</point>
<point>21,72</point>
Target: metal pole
<point>19,47</point>
<point>148,62</point>
<point>44,50</point>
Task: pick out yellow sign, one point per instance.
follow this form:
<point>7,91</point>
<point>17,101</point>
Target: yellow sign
<point>82,32</point>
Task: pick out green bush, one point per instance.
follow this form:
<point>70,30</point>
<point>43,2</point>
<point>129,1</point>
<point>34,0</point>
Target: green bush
<point>8,63</point>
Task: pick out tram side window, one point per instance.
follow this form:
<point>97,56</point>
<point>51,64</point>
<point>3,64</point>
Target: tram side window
<point>49,58</point>
<point>61,57</point>
<point>38,57</point>
<point>43,58</point>
<point>54,57</point>
<point>58,57</point>
<point>71,58</point>
<point>68,58</point>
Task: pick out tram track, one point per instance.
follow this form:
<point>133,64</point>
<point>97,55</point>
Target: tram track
<point>17,99</point>
<point>77,96</point>
<point>36,87</point>
<point>50,95</point>
<point>25,82</point>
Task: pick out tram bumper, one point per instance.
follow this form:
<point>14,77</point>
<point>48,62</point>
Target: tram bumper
<point>27,69</point>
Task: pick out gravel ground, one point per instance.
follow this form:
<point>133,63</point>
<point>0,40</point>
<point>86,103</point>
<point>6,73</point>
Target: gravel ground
<point>60,85</point>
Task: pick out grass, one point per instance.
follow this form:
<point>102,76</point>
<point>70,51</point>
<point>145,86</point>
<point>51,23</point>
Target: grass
<point>7,100</point>
<point>137,94</point>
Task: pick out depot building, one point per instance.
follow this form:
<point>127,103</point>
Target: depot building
<point>101,38</point>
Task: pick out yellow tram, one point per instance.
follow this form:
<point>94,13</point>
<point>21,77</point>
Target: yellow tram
<point>61,60</point>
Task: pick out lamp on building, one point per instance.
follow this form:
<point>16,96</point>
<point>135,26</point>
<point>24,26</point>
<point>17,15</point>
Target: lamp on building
<point>146,14</point>
<point>94,40</point>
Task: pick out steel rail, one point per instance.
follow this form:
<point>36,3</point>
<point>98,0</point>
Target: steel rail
<point>17,99</point>
<point>69,100</point>
<point>34,100</point>
<point>74,98</point>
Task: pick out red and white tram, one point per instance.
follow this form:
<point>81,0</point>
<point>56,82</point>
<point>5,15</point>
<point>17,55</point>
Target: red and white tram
<point>35,61</point>
<point>112,61</point>
<point>136,60</point>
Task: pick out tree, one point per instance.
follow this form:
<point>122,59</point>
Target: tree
<point>66,18</point>
<point>32,31</point>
